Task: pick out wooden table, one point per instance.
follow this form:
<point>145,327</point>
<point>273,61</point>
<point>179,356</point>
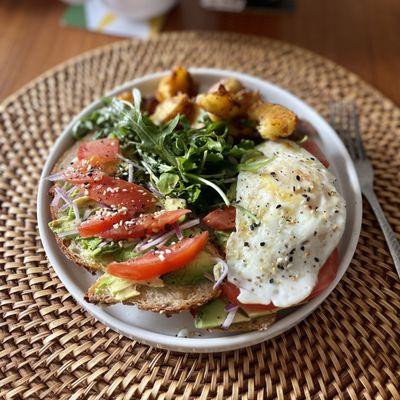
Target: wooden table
<point>363,36</point>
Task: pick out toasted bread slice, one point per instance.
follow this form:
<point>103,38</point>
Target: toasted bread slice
<point>169,299</point>
<point>256,324</point>
<point>64,243</point>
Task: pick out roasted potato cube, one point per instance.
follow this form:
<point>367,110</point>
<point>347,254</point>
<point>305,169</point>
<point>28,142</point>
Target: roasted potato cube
<point>180,81</point>
<point>220,104</point>
<point>170,108</point>
<point>274,121</point>
<point>232,85</point>
<point>127,96</point>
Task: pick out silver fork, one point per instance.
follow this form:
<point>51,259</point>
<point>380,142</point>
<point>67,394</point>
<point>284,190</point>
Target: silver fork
<point>344,118</point>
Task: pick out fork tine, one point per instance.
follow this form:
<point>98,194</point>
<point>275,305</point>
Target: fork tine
<point>340,122</point>
<point>348,131</point>
<point>356,128</point>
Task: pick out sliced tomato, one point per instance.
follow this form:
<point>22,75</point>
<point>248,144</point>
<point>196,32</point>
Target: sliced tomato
<point>222,219</point>
<point>326,275</point>
<point>103,222</point>
<point>231,293</point>
<point>82,172</point>
<point>120,193</point>
<point>146,224</point>
<point>99,152</point>
<point>314,149</point>
<point>159,262</point>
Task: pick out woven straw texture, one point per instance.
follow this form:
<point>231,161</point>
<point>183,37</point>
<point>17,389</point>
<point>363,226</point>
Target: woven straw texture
<point>51,348</point>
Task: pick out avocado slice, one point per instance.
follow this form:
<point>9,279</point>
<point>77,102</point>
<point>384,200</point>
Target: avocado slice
<point>193,272</point>
<point>172,203</point>
<point>213,314</point>
<point>120,289</point>
<point>221,239</point>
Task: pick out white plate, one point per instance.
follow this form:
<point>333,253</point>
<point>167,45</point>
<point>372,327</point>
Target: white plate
<point>157,330</point>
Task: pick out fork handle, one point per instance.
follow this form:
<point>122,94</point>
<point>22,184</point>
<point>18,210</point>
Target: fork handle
<point>393,243</point>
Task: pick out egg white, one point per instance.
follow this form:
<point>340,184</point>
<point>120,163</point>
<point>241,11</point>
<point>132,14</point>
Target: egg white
<point>300,218</point>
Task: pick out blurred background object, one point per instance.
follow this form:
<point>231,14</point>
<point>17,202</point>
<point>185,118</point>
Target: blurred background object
<point>363,36</point>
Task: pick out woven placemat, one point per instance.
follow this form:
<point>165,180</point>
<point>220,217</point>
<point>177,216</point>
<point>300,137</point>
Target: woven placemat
<point>51,348</point>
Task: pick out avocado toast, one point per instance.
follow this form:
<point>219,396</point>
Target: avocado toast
<point>148,198</point>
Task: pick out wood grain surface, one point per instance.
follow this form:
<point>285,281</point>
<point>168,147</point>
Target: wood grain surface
<point>363,36</point>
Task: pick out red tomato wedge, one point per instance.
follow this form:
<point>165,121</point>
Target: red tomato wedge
<point>103,222</point>
<point>120,193</point>
<point>326,275</point>
<point>99,152</point>
<point>314,149</point>
<point>146,224</point>
<point>222,219</point>
<point>160,262</point>
<point>82,172</point>
<point>231,292</point>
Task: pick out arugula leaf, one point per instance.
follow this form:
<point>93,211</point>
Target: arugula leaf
<point>167,182</point>
<point>254,165</point>
<point>195,164</point>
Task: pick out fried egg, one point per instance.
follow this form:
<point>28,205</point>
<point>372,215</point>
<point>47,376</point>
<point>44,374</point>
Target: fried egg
<point>289,219</point>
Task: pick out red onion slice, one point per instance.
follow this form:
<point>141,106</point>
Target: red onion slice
<point>154,191</point>
<point>56,200</point>
<point>58,176</point>
<point>178,231</point>
<point>65,197</point>
<point>130,173</point>
<point>162,243</point>
<point>230,307</point>
<point>155,240</point>
<point>229,318</point>
<point>223,274</point>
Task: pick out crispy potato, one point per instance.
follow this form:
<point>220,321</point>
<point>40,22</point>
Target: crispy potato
<point>274,121</point>
<point>171,107</point>
<point>127,96</point>
<point>232,85</point>
<point>247,98</point>
<point>220,103</point>
<point>180,81</point>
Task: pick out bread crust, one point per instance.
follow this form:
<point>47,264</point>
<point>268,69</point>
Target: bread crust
<point>169,299</point>
<point>257,324</point>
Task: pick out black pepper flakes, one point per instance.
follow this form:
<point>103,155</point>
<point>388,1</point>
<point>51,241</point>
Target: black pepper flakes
<point>316,259</point>
<point>271,281</point>
<point>298,177</point>
<point>246,244</point>
<point>279,206</point>
<point>262,243</point>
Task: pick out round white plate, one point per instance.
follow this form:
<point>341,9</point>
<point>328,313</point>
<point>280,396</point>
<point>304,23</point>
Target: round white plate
<point>158,330</point>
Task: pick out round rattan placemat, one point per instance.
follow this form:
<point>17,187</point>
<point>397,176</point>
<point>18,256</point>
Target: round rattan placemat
<point>51,348</point>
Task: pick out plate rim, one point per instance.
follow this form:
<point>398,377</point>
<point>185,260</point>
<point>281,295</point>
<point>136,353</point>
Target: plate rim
<point>193,345</point>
